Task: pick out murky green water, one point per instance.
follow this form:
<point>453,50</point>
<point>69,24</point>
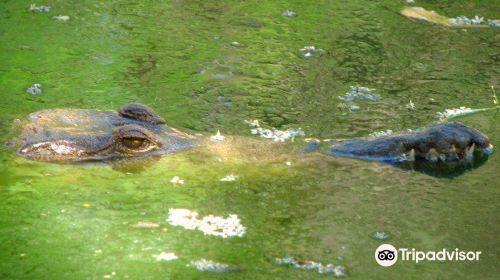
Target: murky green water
<point>74,221</point>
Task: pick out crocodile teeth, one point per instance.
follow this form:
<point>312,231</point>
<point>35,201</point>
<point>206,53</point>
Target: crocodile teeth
<point>453,153</point>
<point>411,155</point>
<point>432,155</point>
<point>442,157</point>
<point>469,152</point>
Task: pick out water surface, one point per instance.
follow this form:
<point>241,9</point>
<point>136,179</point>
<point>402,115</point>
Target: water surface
<point>74,221</point>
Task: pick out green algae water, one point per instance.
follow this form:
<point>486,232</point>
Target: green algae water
<point>209,65</point>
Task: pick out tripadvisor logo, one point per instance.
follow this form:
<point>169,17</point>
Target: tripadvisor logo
<point>387,255</point>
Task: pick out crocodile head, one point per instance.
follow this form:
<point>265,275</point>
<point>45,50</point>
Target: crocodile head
<point>442,150</point>
<point>70,135</point>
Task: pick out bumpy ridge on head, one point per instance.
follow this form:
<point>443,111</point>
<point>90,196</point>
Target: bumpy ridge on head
<point>141,113</point>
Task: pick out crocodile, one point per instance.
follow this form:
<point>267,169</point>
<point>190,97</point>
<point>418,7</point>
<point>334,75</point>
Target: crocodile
<point>136,131</point>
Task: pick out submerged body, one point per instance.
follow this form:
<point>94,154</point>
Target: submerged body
<point>421,14</point>
<point>72,135</point>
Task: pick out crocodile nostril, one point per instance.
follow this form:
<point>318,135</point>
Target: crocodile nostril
<point>488,150</point>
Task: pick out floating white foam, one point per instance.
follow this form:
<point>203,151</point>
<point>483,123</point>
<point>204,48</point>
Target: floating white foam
<point>39,9</point>
<point>381,133</point>
<point>451,113</point>
<point>289,13</point>
<point>209,225</point>
<point>310,51</point>
<point>176,180</point>
<point>35,89</point>
<point>275,134</point>
<point>410,106</point>
<point>208,265</point>
<point>336,270</point>
<point>361,93</point>
<point>62,18</point>
<point>217,137</point>
<point>164,256</point>
<point>229,178</point>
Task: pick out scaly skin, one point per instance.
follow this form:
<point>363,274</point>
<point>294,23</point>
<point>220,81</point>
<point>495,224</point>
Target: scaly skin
<point>442,150</point>
<point>67,135</point>
<point>445,142</point>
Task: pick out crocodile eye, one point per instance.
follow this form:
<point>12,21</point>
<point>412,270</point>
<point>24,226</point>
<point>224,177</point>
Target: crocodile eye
<point>133,139</point>
<point>133,142</point>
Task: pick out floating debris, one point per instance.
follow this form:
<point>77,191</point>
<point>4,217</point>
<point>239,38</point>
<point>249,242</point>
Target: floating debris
<point>310,51</point>
<point>380,133</point>
<point>229,178</point>
<point>254,123</point>
<point>463,20</point>
<point>494,23</point>
<point>222,76</point>
<point>336,270</point>
<point>381,235</point>
<point>211,266</point>
<point>145,225</point>
<point>209,225</point>
<point>289,13</point>
<point>163,256</point>
<point>278,135</point>
<point>176,180</point>
<point>288,163</point>
<point>62,18</point>
<point>494,98</point>
<point>351,107</point>
<point>108,276</point>
<point>39,9</point>
<point>35,89</point>
<point>410,106</point>
<point>275,134</point>
<point>237,44</point>
<point>354,107</point>
<point>217,137</point>
<point>342,106</point>
<point>452,113</point>
<point>183,217</point>
<point>410,1</point>
<point>361,93</point>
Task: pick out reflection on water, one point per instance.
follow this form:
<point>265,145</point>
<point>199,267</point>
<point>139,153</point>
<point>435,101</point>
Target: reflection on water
<point>77,221</point>
<point>445,169</point>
